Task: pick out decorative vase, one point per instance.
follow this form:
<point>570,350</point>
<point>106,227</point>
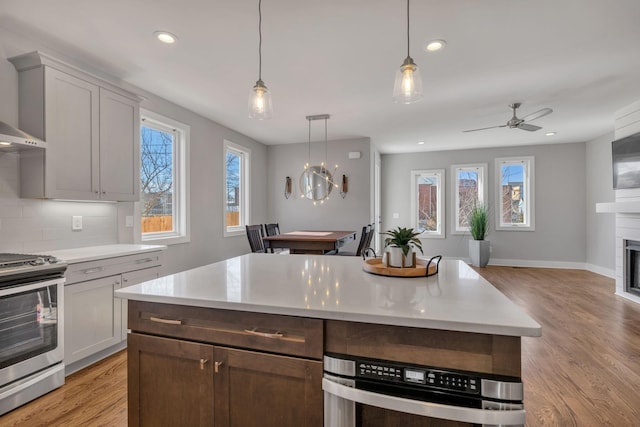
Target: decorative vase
<point>396,258</point>
<point>479,251</point>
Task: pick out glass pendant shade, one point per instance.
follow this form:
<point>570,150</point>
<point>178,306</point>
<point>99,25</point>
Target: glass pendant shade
<point>260,106</point>
<point>407,88</point>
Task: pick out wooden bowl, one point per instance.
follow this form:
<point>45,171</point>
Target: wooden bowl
<point>375,266</point>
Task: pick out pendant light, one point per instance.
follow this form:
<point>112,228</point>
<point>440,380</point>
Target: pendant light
<point>260,106</point>
<point>407,88</point>
<point>317,182</point>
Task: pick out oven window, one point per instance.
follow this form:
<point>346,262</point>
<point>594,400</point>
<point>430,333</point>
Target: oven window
<point>28,324</point>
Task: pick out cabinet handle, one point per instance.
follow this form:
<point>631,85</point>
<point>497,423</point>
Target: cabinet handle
<point>265,334</point>
<point>165,321</point>
<point>142,261</point>
<point>216,366</point>
<point>202,363</point>
<point>93,270</point>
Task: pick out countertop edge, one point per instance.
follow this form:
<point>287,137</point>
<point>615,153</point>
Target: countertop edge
<point>94,253</point>
<point>533,330</point>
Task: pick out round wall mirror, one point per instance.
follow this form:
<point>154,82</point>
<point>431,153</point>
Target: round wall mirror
<point>316,183</point>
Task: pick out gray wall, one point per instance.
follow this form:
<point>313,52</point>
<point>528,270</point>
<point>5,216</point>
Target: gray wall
<point>600,227</point>
<point>41,225</point>
<point>560,219</point>
<point>350,213</point>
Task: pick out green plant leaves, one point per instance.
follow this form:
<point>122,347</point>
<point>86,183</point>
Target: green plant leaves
<point>479,222</point>
<point>404,238</point>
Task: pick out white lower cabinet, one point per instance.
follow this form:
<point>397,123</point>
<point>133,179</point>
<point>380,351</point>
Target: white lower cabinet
<point>93,317</point>
<point>95,322</point>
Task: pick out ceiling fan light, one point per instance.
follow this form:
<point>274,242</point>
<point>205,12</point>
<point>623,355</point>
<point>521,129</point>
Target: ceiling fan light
<point>407,87</point>
<point>260,105</point>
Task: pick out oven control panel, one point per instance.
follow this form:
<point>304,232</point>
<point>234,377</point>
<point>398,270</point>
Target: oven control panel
<point>420,376</point>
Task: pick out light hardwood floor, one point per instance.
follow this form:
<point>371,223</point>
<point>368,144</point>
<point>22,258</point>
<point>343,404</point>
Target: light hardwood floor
<point>583,371</point>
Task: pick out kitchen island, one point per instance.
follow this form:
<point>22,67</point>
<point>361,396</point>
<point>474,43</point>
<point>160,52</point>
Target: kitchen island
<point>241,341</point>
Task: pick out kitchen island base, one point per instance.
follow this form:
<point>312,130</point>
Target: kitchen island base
<point>204,366</point>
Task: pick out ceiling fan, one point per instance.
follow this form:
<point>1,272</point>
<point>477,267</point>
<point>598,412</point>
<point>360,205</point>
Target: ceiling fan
<point>515,122</point>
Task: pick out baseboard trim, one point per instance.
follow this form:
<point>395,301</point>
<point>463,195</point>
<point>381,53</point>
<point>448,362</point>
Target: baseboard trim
<point>538,264</point>
<point>610,273</point>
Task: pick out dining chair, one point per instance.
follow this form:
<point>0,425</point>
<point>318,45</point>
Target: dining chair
<point>365,237</point>
<point>255,235</point>
<point>274,230</point>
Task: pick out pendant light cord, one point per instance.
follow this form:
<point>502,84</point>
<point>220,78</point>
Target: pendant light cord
<point>407,28</point>
<point>309,152</point>
<point>325,144</point>
<point>260,39</point>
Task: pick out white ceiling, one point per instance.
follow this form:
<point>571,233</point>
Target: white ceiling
<point>579,57</point>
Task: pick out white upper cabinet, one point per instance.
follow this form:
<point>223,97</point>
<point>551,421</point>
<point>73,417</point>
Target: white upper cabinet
<point>92,128</point>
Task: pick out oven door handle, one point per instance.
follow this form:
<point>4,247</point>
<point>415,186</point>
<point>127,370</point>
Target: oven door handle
<point>29,286</point>
<point>485,417</point>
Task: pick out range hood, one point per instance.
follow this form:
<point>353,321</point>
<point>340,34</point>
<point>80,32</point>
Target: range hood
<point>12,139</point>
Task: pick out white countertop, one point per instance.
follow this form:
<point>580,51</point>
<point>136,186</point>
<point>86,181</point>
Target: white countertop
<point>336,287</point>
<point>92,253</point>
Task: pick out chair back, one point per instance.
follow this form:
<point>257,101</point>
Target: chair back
<point>364,236</point>
<point>372,231</point>
<point>272,229</point>
<point>254,235</point>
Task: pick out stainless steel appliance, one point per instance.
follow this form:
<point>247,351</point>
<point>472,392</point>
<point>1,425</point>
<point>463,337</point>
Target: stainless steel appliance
<point>31,330</point>
<point>12,139</point>
<point>470,398</point>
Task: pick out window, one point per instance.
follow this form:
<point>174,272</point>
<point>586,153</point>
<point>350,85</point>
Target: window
<point>515,193</point>
<point>427,202</point>
<point>236,188</point>
<point>164,185</point>
<point>470,189</point>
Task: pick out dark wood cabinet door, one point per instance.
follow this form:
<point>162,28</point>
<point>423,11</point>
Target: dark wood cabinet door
<point>170,382</point>
<point>266,390</point>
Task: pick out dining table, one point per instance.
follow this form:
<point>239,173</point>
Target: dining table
<point>310,241</point>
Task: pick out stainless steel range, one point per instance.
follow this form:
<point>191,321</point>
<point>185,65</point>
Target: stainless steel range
<point>31,330</point>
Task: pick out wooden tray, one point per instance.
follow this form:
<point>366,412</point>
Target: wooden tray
<point>424,267</point>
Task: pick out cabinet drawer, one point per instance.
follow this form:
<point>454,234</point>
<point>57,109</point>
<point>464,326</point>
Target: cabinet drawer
<point>90,270</point>
<point>296,336</point>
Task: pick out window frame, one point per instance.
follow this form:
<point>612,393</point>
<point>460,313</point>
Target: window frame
<point>245,188</point>
<point>181,185</point>
<point>529,193</point>
<point>440,232</point>
<point>483,194</point>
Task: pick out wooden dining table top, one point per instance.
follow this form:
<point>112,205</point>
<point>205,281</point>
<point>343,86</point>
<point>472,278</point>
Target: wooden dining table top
<point>310,241</point>
<point>311,236</point>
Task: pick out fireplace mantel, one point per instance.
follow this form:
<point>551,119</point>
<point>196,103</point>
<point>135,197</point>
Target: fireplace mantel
<point>618,207</point>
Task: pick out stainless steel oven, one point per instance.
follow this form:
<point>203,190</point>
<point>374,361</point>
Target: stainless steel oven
<point>371,392</point>
<point>31,329</point>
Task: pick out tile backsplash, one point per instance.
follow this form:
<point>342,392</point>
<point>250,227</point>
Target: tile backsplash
<point>31,226</point>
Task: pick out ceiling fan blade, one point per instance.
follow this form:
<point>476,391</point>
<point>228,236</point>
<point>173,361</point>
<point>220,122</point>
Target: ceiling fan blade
<point>537,114</point>
<point>490,127</point>
<point>530,128</point>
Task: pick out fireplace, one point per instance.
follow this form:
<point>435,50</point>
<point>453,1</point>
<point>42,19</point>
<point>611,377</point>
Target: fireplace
<point>632,267</point>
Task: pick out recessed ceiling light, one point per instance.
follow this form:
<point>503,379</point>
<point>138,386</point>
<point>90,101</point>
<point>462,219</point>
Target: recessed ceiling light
<point>435,45</point>
<point>166,37</point>
<point>549,133</point>
<point>420,142</point>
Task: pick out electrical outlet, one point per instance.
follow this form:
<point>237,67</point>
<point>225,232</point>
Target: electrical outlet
<point>128,221</point>
<point>396,216</point>
<point>76,223</point>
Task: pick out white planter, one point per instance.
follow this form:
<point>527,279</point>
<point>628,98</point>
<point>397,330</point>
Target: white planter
<point>395,256</point>
<point>479,252</point>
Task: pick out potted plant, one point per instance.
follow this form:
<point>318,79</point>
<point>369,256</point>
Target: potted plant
<point>399,246</point>
<point>479,248</point>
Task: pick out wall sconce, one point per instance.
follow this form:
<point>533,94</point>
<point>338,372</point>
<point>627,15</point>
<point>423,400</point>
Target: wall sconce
<point>287,187</point>
<point>344,188</point>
